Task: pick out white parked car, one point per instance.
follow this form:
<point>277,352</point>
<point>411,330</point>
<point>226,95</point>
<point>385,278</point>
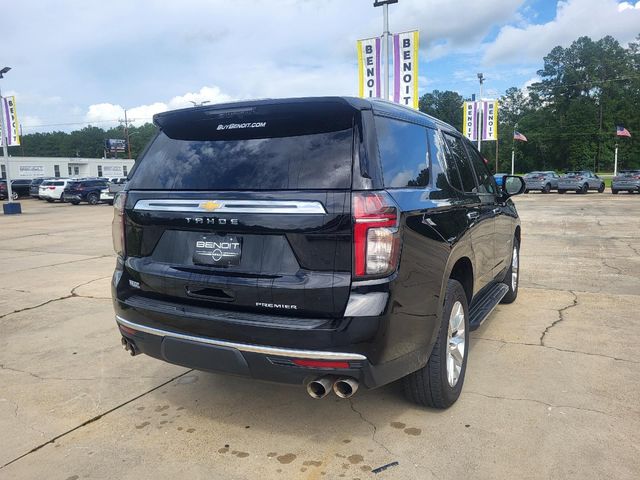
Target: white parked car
<point>52,190</point>
<point>107,196</point>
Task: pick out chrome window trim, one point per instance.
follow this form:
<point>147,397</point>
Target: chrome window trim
<point>232,206</point>
<point>282,352</point>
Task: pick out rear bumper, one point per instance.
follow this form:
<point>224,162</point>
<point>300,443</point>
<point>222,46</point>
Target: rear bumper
<point>275,364</point>
<point>535,185</point>
<point>625,185</point>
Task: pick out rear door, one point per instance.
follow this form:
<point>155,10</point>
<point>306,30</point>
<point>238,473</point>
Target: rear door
<point>480,207</point>
<point>244,210</point>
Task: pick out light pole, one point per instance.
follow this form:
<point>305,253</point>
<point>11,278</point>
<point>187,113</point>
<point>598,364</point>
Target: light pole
<point>480,112</point>
<point>385,42</point>
<point>10,207</point>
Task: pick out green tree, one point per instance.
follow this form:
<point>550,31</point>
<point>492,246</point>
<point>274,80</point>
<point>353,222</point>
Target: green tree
<point>445,106</point>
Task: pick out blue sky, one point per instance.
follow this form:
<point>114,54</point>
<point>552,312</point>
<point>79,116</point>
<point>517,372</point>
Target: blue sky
<point>77,62</point>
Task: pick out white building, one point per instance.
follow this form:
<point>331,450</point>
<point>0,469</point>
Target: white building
<point>33,167</point>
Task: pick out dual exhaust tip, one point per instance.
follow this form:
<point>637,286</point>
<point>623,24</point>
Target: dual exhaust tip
<point>342,387</point>
<point>129,346</point>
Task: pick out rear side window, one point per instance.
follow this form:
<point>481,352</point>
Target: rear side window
<point>311,161</point>
<point>403,153</point>
<point>458,155</point>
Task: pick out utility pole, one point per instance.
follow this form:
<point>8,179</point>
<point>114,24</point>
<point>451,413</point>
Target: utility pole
<point>126,133</point>
<point>480,112</point>
<point>385,42</point>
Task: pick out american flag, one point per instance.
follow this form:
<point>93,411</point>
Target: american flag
<point>519,136</point>
<point>622,132</point>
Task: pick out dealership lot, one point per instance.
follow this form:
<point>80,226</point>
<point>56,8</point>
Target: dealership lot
<point>551,391</point>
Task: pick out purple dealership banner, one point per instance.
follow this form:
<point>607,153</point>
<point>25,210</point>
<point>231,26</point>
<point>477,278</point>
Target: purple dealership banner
<point>405,68</point>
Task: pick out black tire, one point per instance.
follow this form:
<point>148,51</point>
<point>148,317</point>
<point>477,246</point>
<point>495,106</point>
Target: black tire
<point>49,200</point>
<point>546,188</point>
<point>526,191</point>
<point>584,189</point>
<point>615,192</point>
<point>62,200</point>
<point>561,191</point>
<point>601,188</point>
<point>14,195</point>
<point>512,294</point>
<point>75,202</point>
<point>93,199</point>
<point>430,386</point>
<point>110,202</point>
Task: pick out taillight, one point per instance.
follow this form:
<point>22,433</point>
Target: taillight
<point>376,241</point>
<point>117,226</point>
<point>51,188</point>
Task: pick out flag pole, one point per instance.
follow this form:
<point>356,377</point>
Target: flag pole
<point>615,161</point>
<point>513,149</point>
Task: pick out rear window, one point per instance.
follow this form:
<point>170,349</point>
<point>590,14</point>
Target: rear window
<point>309,161</point>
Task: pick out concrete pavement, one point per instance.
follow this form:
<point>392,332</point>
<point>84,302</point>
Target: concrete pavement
<point>551,389</point>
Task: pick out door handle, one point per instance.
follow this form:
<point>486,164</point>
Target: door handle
<point>472,215</point>
<point>496,210</point>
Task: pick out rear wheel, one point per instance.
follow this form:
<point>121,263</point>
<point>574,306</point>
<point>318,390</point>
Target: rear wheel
<point>561,191</point>
<point>615,192</point>
<point>512,278</point>
<point>62,200</point>
<point>92,199</point>
<point>14,195</point>
<point>546,188</point>
<point>75,202</point>
<point>601,188</point>
<point>49,200</point>
<point>526,191</point>
<point>584,189</point>
<point>438,384</point>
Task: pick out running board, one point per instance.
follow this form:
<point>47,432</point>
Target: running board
<point>483,305</point>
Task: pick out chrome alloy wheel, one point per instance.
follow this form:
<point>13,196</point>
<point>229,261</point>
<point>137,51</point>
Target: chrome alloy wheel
<point>455,344</point>
<point>514,269</point>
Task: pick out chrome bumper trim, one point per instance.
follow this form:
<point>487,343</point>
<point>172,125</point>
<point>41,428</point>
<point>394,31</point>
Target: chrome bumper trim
<point>282,352</point>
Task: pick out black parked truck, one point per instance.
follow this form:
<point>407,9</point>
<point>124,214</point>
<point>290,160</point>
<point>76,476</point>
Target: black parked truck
<point>335,243</point>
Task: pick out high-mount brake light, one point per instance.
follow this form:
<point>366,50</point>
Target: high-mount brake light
<point>117,225</point>
<point>376,240</point>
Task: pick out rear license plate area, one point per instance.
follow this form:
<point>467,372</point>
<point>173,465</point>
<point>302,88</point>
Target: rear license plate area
<point>218,250</point>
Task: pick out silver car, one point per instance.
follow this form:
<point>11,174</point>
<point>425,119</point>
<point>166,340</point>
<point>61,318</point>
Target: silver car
<point>580,182</point>
<point>628,180</point>
<point>543,181</point>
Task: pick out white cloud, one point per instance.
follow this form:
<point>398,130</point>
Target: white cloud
<point>574,18</point>
<point>628,6</point>
<point>112,114</point>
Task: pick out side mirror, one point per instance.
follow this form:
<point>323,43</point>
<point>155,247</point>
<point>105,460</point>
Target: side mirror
<point>512,185</point>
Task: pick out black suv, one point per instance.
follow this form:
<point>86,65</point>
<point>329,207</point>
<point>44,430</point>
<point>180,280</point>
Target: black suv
<point>84,191</point>
<point>19,188</point>
<point>330,242</point>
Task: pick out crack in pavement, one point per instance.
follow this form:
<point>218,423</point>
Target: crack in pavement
<point>70,295</point>
<point>72,379</point>
<point>64,263</point>
<point>94,419</point>
<point>635,250</point>
<point>566,350</point>
<point>540,402</point>
<point>560,316</point>
<point>372,425</point>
